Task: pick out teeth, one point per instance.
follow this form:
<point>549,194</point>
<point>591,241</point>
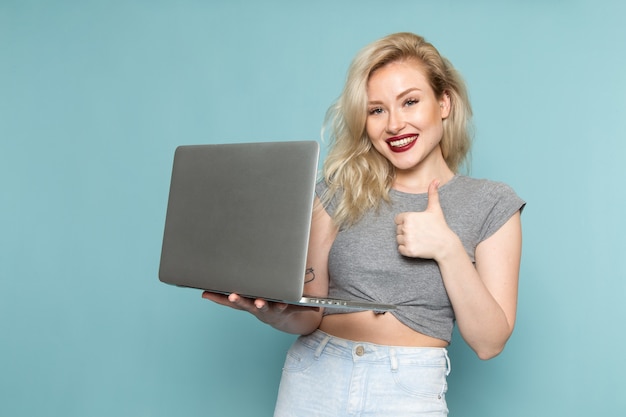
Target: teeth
<point>403,142</point>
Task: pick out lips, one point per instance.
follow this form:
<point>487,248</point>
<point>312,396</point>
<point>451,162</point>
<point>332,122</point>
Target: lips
<point>402,143</point>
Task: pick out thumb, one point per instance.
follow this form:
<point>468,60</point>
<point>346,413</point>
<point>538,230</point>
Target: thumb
<point>433,196</point>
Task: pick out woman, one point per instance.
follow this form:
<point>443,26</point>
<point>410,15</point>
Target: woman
<point>394,222</point>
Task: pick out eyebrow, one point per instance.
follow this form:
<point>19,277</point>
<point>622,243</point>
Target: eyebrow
<point>402,94</point>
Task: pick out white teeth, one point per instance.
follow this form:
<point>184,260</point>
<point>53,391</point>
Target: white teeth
<point>403,142</point>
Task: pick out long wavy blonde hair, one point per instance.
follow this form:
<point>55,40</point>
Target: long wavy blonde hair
<point>357,175</point>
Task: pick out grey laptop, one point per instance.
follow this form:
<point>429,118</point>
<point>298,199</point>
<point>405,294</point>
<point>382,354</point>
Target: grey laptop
<point>238,220</point>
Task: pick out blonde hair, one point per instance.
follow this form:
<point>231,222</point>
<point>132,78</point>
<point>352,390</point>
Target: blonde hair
<point>357,175</point>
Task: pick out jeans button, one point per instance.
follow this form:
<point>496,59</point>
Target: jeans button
<point>360,351</point>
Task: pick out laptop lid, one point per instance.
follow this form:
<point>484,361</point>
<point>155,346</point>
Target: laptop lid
<point>238,218</point>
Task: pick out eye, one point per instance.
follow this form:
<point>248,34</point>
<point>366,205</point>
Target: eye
<point>411,102</point>
<point>375,110</point>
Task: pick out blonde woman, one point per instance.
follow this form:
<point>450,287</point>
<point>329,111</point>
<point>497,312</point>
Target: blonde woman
<point>396,222</point>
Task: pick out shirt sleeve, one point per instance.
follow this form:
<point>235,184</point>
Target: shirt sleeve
<point>504,204</point>
<point>321,190</point>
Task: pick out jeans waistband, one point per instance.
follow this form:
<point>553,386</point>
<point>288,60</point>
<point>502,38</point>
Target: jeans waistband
<point>323,343</point>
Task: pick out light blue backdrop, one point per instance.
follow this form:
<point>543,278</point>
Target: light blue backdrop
<point>95,96</point>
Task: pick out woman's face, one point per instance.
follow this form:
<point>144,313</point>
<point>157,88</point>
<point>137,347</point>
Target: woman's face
<point>404,117</point>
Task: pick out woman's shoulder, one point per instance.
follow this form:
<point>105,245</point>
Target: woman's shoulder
<point>321,185</point>
<point>486,193</point>
<point>466,184</point>
<point>322,192</point>
<point>482,192</point>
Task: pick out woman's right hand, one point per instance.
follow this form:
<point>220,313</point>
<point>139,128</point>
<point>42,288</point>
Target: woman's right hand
<point>277,315</point>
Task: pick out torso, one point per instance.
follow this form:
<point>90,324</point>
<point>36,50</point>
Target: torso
<point>364,264</point>
<point>382,329</point>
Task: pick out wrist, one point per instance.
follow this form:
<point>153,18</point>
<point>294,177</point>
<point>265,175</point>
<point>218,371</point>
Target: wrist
<point>451,248</point>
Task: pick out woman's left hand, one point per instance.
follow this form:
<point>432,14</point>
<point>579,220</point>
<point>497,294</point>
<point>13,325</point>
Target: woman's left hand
<point>424,234</point>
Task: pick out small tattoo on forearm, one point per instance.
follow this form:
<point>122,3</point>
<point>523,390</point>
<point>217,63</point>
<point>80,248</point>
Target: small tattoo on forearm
<point>309,275</point>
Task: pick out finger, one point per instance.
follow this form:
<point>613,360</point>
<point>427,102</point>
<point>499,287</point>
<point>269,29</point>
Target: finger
<point>433,196</point>
<point>222,299</point>
<point>215,297</point>
<point>241,303</point>
<point>265,306</point>
<point>261,304</point>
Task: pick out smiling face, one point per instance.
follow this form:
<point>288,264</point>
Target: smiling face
<point>405,119</point>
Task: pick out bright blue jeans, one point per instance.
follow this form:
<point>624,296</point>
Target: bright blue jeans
<point>328,376</point>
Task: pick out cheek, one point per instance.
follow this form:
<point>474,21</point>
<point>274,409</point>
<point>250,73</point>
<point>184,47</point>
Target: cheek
<point>373,128</point>
<point>433,123</point>
<point>434,138</point>
<point>380,146</point>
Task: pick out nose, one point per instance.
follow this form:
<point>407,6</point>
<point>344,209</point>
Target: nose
<point>395,122</point>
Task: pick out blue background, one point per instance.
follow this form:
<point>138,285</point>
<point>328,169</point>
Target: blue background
<point>95,96</point>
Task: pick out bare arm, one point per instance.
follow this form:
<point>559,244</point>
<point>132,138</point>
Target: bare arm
<point>484,298</point>
<point>291,318</point>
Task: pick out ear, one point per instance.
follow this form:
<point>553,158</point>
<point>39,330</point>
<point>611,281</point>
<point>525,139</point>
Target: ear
<point>445,104</point>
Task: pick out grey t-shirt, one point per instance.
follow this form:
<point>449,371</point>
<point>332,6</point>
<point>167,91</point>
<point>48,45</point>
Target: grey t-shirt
<point>364,262</point>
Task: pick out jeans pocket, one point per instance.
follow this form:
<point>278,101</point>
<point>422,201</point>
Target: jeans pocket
<point>422,381</point>
<point>299,358</point>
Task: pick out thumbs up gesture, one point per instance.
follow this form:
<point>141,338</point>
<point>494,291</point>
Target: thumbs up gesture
<point>423,234</point>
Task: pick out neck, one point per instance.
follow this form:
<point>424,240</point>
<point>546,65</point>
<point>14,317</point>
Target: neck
<point>416,181</point>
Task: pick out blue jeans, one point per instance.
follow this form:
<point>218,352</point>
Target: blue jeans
<point>328,376</point>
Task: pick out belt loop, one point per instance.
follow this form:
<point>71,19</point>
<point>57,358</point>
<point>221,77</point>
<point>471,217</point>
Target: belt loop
<point>449,366</point>
<point>394,359</point>
<point>320,348</point>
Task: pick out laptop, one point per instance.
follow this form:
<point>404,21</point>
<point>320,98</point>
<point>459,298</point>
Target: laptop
<point>238,221</point>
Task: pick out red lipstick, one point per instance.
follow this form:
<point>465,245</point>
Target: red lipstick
<point>402,143</point>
